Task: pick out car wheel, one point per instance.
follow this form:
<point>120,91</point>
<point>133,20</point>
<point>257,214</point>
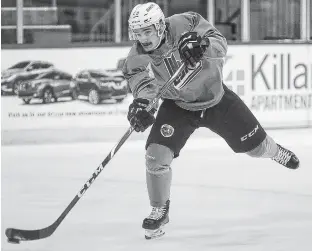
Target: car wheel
<point>74,95</point>
<point>26,100</point>
<point>94,97</point>
<point>47,96</point>
<point>119,100</point>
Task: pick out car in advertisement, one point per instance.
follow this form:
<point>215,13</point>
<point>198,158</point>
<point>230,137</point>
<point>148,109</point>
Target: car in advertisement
<point>99,85</point>
<point>14,75</point>
<point>48,87</point>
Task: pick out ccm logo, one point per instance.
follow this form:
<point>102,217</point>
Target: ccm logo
<point>249,135</point>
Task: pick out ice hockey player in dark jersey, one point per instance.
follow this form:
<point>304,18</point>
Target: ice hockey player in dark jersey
<point>202,100</point>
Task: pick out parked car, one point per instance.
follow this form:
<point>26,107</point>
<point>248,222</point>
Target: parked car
<point>25,70</point>
<point>48,86</point>
<point>99,85</point>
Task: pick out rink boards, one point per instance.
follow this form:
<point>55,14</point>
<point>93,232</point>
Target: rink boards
<point>274,80</point>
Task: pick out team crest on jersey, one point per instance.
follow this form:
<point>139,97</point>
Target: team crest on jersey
<point>166,130</point>
<point>172,64</point>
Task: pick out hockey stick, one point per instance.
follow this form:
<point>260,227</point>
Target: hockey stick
<point>16,235</point>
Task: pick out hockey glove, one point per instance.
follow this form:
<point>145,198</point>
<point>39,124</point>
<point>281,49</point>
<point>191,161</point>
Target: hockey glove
<point>191,49</point>
<point>139,118</point>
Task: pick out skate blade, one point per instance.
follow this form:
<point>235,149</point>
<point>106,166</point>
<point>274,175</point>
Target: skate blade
<point>153,234</point>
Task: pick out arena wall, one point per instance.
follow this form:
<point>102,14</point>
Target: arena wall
<point>274,80</point>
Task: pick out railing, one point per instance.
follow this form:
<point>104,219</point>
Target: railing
<point>237,19</point>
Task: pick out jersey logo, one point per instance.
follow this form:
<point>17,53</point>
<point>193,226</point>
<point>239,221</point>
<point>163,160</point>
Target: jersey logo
<point>150,71</point>
<point>185,76</point>
<point>166,130</point>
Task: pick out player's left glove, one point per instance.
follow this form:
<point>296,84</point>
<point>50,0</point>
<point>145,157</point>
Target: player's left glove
<point>191,48</point>
<point>139,118</point>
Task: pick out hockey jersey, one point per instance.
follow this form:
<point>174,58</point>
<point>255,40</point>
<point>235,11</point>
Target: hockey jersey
<point>147,72</point>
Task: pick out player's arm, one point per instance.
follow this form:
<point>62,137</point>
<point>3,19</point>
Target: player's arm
<point>199,38</point>
<point>211,37</point>
<point>141,82</point>
<point>140,77</point>
<point>215,41</point>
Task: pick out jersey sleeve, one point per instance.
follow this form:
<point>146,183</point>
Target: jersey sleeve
<point>140,77</point>
<point>191,21</point>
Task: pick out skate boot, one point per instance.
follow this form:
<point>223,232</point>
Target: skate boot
<point>286,158</point>
<point>155,222</point>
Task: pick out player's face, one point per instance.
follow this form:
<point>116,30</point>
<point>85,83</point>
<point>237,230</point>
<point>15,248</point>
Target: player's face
<point>148,37</point>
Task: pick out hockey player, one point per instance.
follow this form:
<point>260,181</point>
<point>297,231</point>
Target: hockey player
<point>202,101</point>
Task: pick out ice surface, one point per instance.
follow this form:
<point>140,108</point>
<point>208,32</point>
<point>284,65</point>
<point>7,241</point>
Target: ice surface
<point>219,200</point>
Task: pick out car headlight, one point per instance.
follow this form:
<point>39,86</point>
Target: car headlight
<point>35,84</point>
<point>38,85</point>
<point>11,78</point>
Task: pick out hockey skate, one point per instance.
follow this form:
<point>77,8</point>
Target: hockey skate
<point>155,222</point>
<point>286,158</point>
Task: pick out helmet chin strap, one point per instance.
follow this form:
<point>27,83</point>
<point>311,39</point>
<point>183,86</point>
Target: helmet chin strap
<point>160,38</point>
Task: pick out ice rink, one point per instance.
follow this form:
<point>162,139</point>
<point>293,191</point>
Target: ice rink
<point>220,201</point>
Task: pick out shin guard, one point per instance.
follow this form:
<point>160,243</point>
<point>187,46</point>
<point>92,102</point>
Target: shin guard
<point>158,174</point>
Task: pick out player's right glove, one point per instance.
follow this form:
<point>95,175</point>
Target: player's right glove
<point>191,49</point>
<point>139,118</point>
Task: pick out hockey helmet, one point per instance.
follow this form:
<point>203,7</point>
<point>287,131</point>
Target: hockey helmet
<point>144,15</point>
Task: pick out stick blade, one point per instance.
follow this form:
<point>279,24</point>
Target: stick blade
<point>27,235</point>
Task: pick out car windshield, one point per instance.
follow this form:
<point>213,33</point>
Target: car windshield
<point>97,75</point>
<point>20,65</point>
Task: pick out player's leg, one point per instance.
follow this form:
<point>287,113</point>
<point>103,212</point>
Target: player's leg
<point>233,121</point>
<point>269,149</point>
<point>168,135</point>
<point>158,181</point>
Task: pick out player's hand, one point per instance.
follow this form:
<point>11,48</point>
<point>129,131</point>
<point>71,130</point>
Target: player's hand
<point>191,49</point>
<point>139,118</point>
